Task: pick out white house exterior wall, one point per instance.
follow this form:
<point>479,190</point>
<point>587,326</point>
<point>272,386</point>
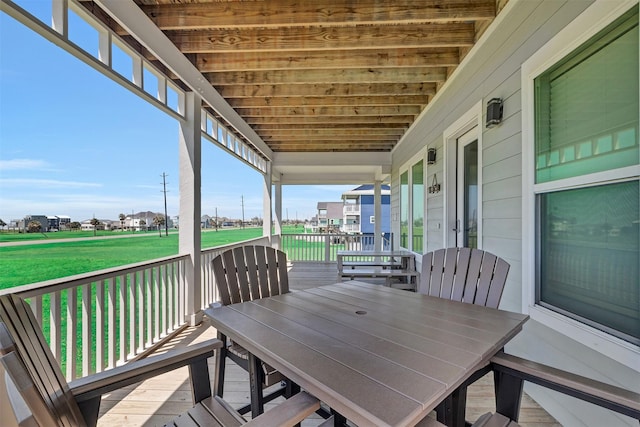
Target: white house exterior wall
<point>493,69</point>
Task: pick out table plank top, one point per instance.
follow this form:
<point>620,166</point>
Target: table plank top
<point>377,355</point>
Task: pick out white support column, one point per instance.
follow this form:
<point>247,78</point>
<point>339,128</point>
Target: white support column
<point>278,215</point>
<point>377,213</point>
<point>190,158</point>
<point>266,204</point>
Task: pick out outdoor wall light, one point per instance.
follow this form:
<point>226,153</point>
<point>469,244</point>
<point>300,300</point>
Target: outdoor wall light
<point>494,112</point>
<point>431,156</point>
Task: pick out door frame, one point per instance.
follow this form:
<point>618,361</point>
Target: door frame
<point>467,122</point>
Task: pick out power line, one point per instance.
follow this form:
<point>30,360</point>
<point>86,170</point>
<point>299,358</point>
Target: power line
<point>164,190</point>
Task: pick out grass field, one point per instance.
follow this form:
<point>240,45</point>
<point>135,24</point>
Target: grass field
<point>26,264</point>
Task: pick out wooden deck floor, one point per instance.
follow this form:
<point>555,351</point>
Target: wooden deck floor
<point>160,399</point>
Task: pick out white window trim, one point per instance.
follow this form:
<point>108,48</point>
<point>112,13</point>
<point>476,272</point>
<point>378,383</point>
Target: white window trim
<point>469,120</point>
<point>585,26</point>
<point>406,167</point>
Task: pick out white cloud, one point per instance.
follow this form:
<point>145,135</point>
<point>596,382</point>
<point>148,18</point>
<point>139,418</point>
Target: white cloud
<point>22,164</point>
<point>45,183</point>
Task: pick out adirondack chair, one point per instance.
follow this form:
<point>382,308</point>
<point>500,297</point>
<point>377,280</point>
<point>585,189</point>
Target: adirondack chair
<point>468,275</point>
<point>40,396</point>
<point>464,274</point>
<point>244,274</point>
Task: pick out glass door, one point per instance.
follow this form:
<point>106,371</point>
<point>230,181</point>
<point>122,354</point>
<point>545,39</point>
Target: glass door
<point>467,205</point>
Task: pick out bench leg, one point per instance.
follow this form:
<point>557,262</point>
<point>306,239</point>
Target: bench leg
<point>220,362</point>
<point>508,391</point>
<point>255,382</point>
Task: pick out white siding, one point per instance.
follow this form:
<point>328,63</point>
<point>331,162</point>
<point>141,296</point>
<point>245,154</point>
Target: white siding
<point>491,70</point>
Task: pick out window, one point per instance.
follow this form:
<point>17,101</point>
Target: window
<point>404,210</point>
<point>587,191</point>
<point>417,194</point>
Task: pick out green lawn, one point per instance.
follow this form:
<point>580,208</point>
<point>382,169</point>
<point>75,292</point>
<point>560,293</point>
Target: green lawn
<point>26,264</point>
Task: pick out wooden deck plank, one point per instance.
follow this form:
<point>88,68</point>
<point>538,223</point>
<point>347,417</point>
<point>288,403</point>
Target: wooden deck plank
<point>149,403</point>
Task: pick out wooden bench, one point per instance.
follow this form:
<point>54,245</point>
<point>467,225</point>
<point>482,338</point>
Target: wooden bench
<point>389,275</point>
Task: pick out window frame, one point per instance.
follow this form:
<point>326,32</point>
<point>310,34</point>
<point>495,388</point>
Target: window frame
<point>582,29</point>
<point>407,168</point>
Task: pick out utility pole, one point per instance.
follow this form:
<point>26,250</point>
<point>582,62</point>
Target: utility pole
<point>216,218</point>
<point>164,190</point>
<point>133,229</point>
<point>242,198</point>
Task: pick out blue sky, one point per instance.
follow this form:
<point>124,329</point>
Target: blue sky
<point>73,142</point>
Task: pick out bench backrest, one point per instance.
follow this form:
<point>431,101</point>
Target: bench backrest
<point>250,272</point>
<point>464,274</point>
<point>21,336</point>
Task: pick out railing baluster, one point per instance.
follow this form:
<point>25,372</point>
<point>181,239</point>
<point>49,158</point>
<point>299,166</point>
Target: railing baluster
<point>86,329</point>
<point>122,319</point>
<point>163,304</point>
<point>141,310</point>
<point>72,325</point>
<point>36,307</point>
<point>133,287</point>
<point>55,326</point>
<point>100,285</point>
<point>156,303</point>
<point>111,316</point>
<point>149,306</point>
<point>171,308</point>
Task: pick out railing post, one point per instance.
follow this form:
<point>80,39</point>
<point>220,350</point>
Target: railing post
<point>327,248</point>
<point>190,158</point>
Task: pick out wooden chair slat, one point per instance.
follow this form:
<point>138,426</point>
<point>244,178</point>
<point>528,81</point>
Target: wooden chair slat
<point>283,272</point>
<point>240,264</point>
<point>294,410</point>
<point>263,277</point>
<point>485,278</point>
<point>272,271</point>
<point>426,273</point>
<point>497,285</point>
<point>494,420</point>
<point>450,261</point>
<point>471,283</point>
<point>231,276</point>
<point>252,271</point>
<point>437,269</point>
<point>220,275</point>
<point>462,267</point>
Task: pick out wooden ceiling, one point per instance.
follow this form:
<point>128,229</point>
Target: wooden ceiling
<point>323,75</point>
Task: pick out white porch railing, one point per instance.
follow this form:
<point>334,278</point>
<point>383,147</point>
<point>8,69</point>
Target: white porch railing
<point>323,247</point>
<point>95,321</point>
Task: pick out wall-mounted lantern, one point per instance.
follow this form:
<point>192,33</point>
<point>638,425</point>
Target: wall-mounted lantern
<point>494,112</point>
<point>431,156</point>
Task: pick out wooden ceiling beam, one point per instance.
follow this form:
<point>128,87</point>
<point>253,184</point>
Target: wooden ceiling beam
<point>316,132</point>
<point>385,58</point>
<point>404,120</point>
<point>295,111</point>
<point>333,138</point>
<point>387,99</point>
<point>321,38</point>
<point>326,13</point>
<point>360,76</point>
<point>326,89</point>
<point>293,127</point>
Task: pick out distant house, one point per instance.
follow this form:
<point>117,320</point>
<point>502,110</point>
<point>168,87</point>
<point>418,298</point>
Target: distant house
<point>330,216</point>
<point>358,210</point>
<point>42,219</point>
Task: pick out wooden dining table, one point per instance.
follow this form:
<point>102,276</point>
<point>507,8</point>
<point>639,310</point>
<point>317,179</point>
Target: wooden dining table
<point>378,356</point>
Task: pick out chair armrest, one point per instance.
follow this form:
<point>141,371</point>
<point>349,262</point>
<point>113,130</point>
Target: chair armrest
<point>96,385</point>
<point>288,413</point>
<point>606,395</point>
